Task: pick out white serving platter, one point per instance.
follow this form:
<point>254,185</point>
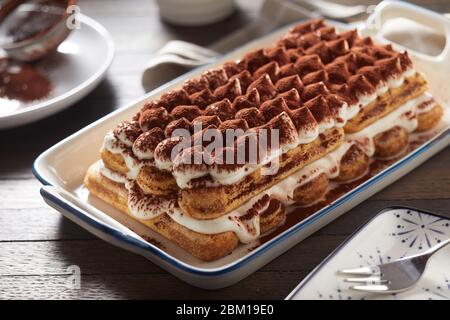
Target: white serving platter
<point>74,70</point>
<point>62,168</point>
<point>392,234</point>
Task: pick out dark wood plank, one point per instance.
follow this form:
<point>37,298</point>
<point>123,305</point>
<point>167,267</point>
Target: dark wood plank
<point>98,257</point>
<point>137,286</point>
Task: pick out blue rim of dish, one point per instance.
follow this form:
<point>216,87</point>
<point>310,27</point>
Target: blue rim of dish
<point>354,234</point>
<point>237,264</point>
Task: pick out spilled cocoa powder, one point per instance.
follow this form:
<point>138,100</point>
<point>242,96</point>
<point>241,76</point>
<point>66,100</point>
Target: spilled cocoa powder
<point>22,83</point>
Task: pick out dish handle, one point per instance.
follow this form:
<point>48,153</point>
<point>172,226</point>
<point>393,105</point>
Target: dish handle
<point>389,9</point>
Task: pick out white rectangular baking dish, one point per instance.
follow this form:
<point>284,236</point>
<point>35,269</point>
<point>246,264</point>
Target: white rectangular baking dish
<point>62,168</point>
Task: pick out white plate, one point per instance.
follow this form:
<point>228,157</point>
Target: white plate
<point>65,165</point>
<point>75,70</point>
<point>394,233</point>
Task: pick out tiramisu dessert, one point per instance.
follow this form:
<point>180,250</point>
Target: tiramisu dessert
<point>219,161</point>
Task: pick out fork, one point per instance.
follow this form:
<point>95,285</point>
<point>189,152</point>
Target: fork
<point>187,50</point>
<point>395,276</point>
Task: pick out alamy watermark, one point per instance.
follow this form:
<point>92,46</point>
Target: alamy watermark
<point>211,146</point>
<point>73,280</point>
<point>374,20</point>
<point>73,20</point>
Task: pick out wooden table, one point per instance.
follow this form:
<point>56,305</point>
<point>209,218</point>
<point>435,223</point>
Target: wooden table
<point>37,244</point>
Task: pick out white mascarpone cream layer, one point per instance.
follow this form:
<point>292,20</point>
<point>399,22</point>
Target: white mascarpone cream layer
<point>382,88</point>
<point>114,145</point>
